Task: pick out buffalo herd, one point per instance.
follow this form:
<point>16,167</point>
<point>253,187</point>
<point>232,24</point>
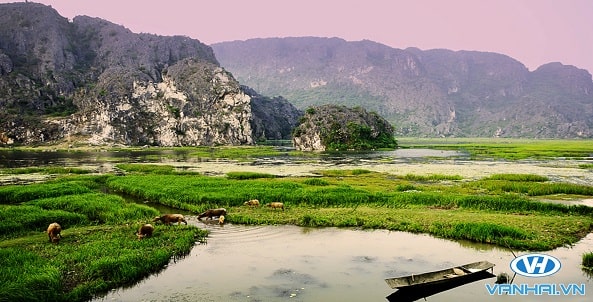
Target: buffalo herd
<point>54,229</point>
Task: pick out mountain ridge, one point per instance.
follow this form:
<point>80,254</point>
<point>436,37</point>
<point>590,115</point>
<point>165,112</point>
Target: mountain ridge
<point>431,93</point>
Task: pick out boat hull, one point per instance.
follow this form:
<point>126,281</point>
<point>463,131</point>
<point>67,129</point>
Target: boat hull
<point>449,275</point>
<point>413,293</point>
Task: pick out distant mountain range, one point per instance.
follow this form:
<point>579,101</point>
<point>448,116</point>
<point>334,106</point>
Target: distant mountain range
<point>427,93</point>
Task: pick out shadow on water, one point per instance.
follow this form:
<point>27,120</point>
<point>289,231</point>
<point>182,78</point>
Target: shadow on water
<point>412,294</point>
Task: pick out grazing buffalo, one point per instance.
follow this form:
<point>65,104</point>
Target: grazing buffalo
<point>170,218</point>
<point>213,213</point>
<point>53,232</point>
<point>252,203</point>
<point>145,231</point>
<point>276,205</point>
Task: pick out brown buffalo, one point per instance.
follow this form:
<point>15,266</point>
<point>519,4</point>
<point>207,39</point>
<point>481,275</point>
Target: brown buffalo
<point>170,219</point>
<point>213,213</point>
<point>145,231</point>
<point>276,205</point>
<point>53,232</point>
<point>252,203</point>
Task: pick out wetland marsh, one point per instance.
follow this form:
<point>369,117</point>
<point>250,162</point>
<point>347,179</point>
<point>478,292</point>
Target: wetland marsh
<point>455,195</point>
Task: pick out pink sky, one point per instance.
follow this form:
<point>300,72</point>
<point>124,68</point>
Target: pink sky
<point>534,32</point>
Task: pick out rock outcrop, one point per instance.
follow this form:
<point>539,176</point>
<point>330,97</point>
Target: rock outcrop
<point>332,127</point>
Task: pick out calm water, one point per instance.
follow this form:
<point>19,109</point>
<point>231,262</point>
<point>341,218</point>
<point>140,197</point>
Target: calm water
<point>288,263</point>
<point>10,158</point>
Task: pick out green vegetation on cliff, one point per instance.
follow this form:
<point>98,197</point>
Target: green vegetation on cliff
<point>332,127</point>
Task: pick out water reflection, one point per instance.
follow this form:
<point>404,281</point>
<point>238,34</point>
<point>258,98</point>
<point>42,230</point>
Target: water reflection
<point>14,158</point>
<point>276,263</point>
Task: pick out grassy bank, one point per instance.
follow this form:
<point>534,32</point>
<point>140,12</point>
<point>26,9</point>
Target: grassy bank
<point>501,210</point>
<point>98,251</point>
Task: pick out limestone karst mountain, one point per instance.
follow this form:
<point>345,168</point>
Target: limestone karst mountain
<point>89,80</point>
<point>431,93</point>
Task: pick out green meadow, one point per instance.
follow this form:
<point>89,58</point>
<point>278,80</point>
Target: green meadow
<point>98,250</point>
<point>99,225</point>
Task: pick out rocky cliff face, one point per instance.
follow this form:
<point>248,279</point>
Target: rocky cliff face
<point>273,118</point>
<point>430,93</point>
<point>93,81</point>
<point>195,103</point>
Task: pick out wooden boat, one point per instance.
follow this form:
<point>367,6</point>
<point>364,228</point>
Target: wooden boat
<point>450,275</point>
<point>411,293</point>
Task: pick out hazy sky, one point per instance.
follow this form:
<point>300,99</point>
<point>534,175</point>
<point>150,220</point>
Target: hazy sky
<point>534,32</point>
